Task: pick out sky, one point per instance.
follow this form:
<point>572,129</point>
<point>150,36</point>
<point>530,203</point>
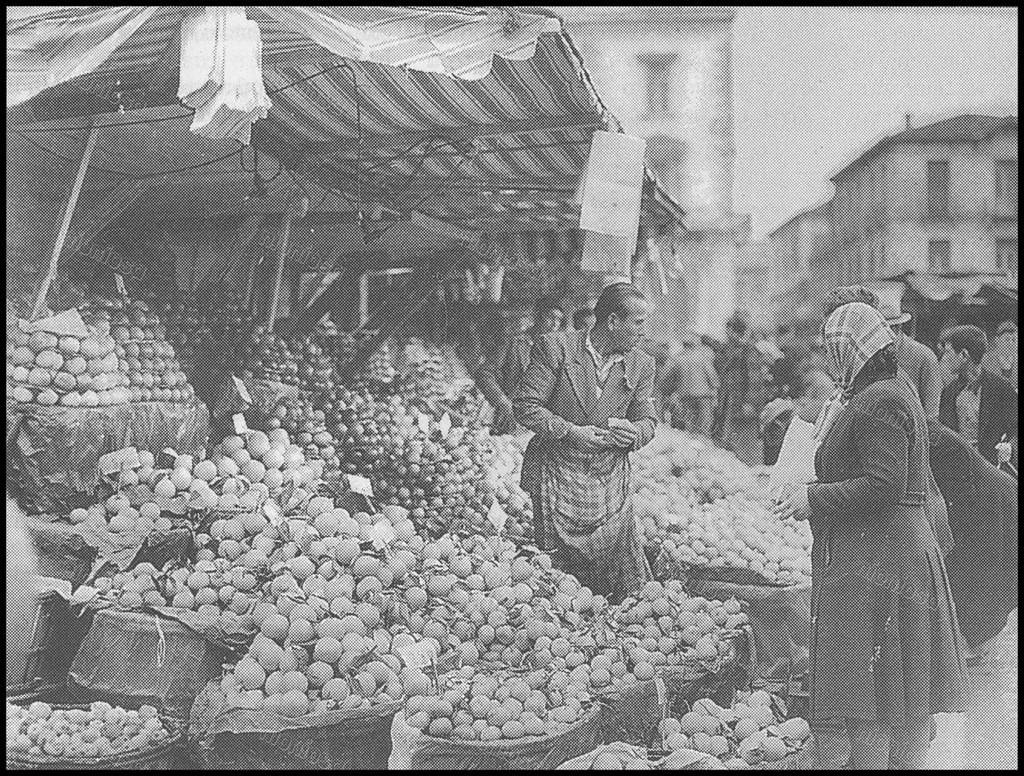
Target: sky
<point>813,87</point>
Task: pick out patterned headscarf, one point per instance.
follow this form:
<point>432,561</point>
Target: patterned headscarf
<point>852,334</point>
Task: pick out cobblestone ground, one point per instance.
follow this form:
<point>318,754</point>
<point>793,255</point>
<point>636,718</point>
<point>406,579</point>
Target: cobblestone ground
<point>991,720</point>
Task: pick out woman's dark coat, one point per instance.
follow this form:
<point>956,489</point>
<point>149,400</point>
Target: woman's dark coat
<point>884,640</point>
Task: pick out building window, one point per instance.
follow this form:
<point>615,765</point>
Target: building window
<point>1006,187</point>
<point>938,189</point>
<point>1006,255</point>
<point>658,76</point>
<point>938,256</point>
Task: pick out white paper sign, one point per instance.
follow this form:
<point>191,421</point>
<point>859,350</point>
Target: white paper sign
<point>359,484</point>
<point>497,516</point>
<point>68,323</point>
<point>112,463</point>
<point>609,254</point>
<point>382,534</point>
<point>243,392</point>
<point>424,423</point>
<point>418,655</point>
<point>613,185</point>
<point>273,512</point>
<point>59,586</point>
<point>796,458</point>
<point>239,421</point>
<point>445,425</point>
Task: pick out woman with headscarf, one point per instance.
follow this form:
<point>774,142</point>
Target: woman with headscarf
<point>885,653</point>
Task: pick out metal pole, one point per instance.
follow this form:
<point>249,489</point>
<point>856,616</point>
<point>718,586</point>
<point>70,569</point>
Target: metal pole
<point>69,211</point>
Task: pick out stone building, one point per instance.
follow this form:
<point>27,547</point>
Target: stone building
<point>665,72</point>
<point>936,200</point>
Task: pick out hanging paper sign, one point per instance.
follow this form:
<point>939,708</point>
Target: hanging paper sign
<point>243,392</point>
<point>114,462</point>
<point>613,185</point>
<point>359,484</point>
<point>497,516</point>
<point>610,254</point>
<point>419,655</point>
<point>424,423</point>
<point>445,425</point>
<point>119,284</point>
<point>238,419</point>
<point>382,534</point>
<point>273,512</point>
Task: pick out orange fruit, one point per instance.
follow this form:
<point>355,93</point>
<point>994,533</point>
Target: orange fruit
<point>335,689</point>
<point>275,626</point>
<point>319,673</point>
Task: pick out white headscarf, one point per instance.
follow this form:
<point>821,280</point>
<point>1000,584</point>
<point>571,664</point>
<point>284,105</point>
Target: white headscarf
<point>852,334</point>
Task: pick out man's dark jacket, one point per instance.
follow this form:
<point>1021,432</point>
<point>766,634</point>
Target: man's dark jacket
<point>997,414</point>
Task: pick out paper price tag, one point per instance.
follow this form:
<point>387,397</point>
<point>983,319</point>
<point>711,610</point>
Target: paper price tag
<point>382,534</point>
<point>112,463</point>
<point>59,586</point>
<point>419,655</point>
<point>273,513</point>
<point>497,516</point>
<point>424,423</point>
<point>238,419</point>
<point>359,484</point>
<point>659,685</point>
<point>445,425</point>
<point>243,392</point>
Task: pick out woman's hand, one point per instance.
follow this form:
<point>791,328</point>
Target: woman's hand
<point>793,504</point>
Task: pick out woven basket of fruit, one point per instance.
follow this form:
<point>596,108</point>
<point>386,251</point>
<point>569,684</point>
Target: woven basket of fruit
<point>542,752</point>
<point>142,656</point>
<point>236,738</point>
<point>95,737</point>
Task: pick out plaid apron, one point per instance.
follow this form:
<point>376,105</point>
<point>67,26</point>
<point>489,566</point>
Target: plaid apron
<point>586,515</point>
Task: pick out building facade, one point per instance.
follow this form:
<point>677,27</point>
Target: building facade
<point>940,199</point>
<point>665,72</point>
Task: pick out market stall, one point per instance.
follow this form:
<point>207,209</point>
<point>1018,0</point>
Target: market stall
<point>272,508</point>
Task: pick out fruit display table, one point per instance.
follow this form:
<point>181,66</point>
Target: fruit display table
<point>53,452</point>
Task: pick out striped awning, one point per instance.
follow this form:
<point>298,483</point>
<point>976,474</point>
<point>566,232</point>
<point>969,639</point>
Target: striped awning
<point>384,124</point>
<point>49,45</point>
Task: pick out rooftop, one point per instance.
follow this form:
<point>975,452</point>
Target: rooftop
<point>965,128</point>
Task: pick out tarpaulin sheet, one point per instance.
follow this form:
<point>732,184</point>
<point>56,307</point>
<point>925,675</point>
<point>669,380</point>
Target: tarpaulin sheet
<point>53,452</point>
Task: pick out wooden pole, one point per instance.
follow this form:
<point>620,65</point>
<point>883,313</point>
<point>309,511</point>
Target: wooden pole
<point>296,207</point>
<point>69,211</point>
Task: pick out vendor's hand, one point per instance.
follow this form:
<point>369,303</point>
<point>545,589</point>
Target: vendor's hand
<point>591,438</point>
<point>624,434</point>
<point>793,503</point>
<point>1004,452</point>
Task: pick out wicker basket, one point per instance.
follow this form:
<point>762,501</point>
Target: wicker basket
<point>226,738</point>
<point>540,753</point>
<point>165,756</point>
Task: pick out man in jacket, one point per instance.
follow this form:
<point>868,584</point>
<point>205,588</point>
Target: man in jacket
<point>978,405</point>
<point>916,359</point>
<point>588,398</point>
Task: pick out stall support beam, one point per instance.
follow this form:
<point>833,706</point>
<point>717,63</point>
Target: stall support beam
<point>69,211</point>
